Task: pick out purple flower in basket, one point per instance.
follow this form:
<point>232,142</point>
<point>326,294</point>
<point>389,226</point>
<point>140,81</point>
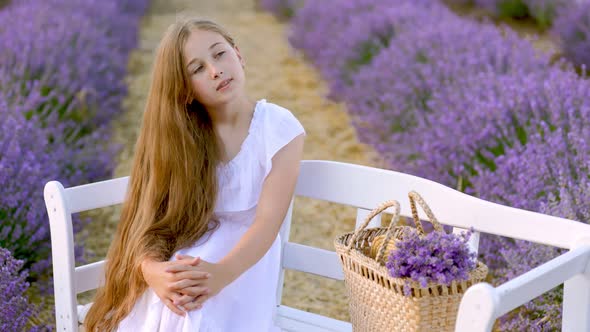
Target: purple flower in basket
<point>437,257</point>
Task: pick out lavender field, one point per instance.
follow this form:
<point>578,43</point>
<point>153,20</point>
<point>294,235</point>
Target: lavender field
<point>467,103</point>
<point>62,65</point>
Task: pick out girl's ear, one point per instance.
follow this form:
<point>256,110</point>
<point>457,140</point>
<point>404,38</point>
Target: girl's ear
<point>242,61</point>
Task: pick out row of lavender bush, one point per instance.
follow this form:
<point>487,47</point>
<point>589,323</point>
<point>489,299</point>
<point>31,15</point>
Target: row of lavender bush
<point>465,104</point>
<point>61,83</point>
<point>543,12</point>
<point>568,20</point>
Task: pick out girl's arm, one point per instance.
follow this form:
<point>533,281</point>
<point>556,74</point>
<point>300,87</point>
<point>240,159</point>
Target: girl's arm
<point>276,195</point>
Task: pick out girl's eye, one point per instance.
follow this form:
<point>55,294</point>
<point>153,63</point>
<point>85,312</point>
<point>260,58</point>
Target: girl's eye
<point>220,54</point>
<point>198,69</point>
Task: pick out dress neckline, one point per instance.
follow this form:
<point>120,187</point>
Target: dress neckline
<point>251,127</point>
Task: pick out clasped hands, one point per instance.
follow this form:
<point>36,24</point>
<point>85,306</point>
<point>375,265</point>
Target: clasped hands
<point>184,284</point>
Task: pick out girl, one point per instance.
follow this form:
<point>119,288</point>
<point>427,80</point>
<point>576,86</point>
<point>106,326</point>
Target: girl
<point>197,247</point>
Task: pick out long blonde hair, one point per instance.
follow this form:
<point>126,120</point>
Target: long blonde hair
<point>173,184</point>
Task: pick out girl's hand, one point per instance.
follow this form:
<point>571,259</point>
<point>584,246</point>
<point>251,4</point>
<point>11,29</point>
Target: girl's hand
<point>194,298</point>
<point>169,286</point>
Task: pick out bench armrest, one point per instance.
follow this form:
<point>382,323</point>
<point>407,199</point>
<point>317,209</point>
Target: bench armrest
<point>482,304</point>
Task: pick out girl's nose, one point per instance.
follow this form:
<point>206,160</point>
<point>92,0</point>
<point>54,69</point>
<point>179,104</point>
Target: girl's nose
<point>215,73</point>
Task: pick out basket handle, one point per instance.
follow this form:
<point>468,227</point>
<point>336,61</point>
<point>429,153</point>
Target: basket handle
<point>389,233</point>
<point>415,197</point>
<point>382,207</point>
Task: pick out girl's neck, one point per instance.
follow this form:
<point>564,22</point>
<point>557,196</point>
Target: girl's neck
<point>231,113</point>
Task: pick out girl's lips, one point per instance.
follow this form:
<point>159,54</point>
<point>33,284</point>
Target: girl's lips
<point>224,83</point>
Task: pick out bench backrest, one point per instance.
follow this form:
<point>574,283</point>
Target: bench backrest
<point>358,186</point>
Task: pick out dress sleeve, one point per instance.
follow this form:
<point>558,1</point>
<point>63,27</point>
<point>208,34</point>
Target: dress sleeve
<point>280,127</point>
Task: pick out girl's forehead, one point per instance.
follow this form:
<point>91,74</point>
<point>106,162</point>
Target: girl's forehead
<point>202,41</point>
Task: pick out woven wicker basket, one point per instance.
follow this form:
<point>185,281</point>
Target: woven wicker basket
<point>377,300</point>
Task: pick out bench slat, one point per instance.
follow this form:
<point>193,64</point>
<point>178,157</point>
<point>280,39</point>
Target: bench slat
<point>89,277</point>
<point>290,319</point>
<point>96,195</point>
<point>308,259</point>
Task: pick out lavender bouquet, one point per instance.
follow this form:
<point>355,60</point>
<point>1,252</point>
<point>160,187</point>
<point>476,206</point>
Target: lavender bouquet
<point>437,257</point>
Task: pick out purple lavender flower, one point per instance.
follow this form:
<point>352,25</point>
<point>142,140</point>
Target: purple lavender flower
<point>548,173</point>
<point>394,95</point>
<point>61,82</point>
<point>74,85</point>
<point>572,26</point>
<point>438,257</point>
<point>15,309</point>
<point>320,22</point>
<point>475,121</point>
<point>369,32</point>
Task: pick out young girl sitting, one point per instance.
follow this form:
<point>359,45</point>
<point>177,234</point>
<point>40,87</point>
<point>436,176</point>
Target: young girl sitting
<point>197,246</point>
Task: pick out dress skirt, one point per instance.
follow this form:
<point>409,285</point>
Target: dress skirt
<point>247,304</point>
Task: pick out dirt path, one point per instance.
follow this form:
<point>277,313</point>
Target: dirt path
<point>277,73</point>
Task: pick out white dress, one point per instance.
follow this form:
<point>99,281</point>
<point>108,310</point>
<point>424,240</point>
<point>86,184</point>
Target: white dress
<point>248,303</point>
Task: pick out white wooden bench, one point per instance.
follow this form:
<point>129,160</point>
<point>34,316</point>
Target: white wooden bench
<point>364,188</point>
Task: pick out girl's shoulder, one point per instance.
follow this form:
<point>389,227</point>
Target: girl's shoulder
<point>277,126</point>
<point>240,181</point>
<point>276,120</point>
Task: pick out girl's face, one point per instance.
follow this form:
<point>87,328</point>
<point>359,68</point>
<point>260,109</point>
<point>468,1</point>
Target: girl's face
<point>215,68</point>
